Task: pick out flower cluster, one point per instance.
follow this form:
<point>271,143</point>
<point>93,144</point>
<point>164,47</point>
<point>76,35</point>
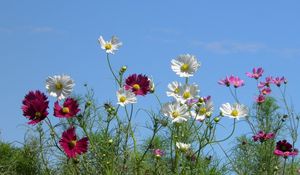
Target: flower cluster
<point>235,81</point>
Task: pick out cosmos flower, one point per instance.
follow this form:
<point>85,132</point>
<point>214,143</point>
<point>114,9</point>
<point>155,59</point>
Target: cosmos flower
<point>178,113</point>
<point>138,84</point>
<point>260,99</point>
<point>187,92</point>
<point>68,110</point>
<point>125,97</point>
<point>224,82</point>
<point>262,136</point>
<point>279,80</point>
<point>158,153</point>
<point>266,91</point>
<point>174,89</point>
<point>110,46</point>
<point>285,149</point>
<point>266,83</point>
<point>204,110</point>
<point>236,81</point>
<point>235,111</point>
<point>71,146</point>
<point>256,73</point>
<point>185,65</point>
<point>151,86</point>
<point>183,147</point>
<point>59,86</point>
<point>35,105</point>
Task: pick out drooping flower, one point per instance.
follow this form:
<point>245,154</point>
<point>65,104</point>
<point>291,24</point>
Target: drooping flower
<point>183,147</point>
<point>262,136</point>
<point>204,110</point>
<point>178,113</point>
<point>187,92</point>
<point>285,149</point>
<point>138,84</point>
<point>59,86</point>
<point>260,99</point>
<point>224,82</point>
<point>279,80</point>
<point>185,65</point>
<point>256,73</point>
<point>158,153</point>
<point>35,106</point>
<point>67,110</point>
<point>151,85</point>
<point>125,97</point>
<point>235,111</point>
<point>174,89</point>
<point>110,46</point>
<point>71,146</point>
<point>236,81</point>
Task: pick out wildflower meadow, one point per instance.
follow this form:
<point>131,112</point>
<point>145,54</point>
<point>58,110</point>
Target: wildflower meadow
<point>149,88</point>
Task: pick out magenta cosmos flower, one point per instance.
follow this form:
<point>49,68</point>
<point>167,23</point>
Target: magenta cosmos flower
<point>256,73</point>
<point>285,149</point>
<point>236,81</point>
<point>68,110</point>
<point>260,99</point>
<point>71,145</point>
<point>267,83</point>
<point>266,91</point>
<point>279,80</point>
<point>262,136</point>
<point>158,153</point>
<point>224,82</point>
<point>35,105</point>
<point>138,84</point>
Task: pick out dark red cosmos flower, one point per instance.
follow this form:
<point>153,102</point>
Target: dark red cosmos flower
<point>68,110</point>
<point>138,84</point>
<point>35,105</point>
<point>71,145</point>
<point>262,136</point>
<point>285,149</point>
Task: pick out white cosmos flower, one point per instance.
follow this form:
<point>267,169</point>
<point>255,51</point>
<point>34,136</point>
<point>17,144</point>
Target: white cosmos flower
<point>187,92</point>
<point>234,111</point>
<point>110,46</point>
<point>183,146</point>
<point>125,97</point>
<point>177,112</point>
<point>185,65</point>
<point>203,111</point>
<point>151,85</point>
<point>174,89</point>
<point>59,86</point>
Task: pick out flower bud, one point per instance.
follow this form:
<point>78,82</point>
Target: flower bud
<point>123,69</point>
<point>217,119</point>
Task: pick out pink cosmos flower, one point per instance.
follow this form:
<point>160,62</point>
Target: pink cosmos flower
<point>138,84</point>
<point>285,149</point>
<point>71,146</point>
<point>68,110</point>
<point>158,153</point>
<point>279,80</point>
<point>266,91</point>
<point>256,73</point>
<point>262,136</point>
<point>236,81</point>
<point>225,81</point>
<point>260,99</point>
<point>267,83</point>
<point>35,105</point>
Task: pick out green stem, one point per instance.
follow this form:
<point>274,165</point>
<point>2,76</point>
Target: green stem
<point>111,70</point>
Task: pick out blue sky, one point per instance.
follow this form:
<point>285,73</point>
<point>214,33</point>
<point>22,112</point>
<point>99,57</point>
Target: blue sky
<point>42,38</point>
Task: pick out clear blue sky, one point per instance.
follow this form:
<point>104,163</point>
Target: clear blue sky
<point>41,38</point>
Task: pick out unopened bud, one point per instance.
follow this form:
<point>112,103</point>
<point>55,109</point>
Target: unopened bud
<point>217,119</point>
<point>123,69</point>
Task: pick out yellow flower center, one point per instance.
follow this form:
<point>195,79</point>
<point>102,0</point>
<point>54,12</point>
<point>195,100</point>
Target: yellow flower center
<point>72,143</point>
<point>136,87</point>
<point>37,114</point>
<point>108,46</point>
<point>58,86</point>
<point>202,111</point>
<point>122,99</point>
<point>186,95</point>
<point>65,110</point>
<point>175,114</point>
<point>176,91</point>
<point>184,67</point>
<point>235,113</point>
